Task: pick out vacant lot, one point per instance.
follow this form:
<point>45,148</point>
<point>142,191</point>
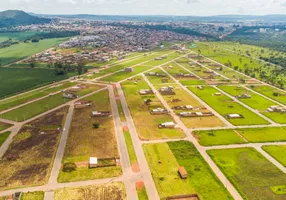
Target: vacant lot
<point>3,137</point>
<point>30,110</point>
<point>187,99</point>
<point>29,158</point>
<point>277,152</point>
<point>4,126</point>
<point>251,173</point>
<point>164,160</point>
<point>224,106</point>
<point>163,78</point>
<point>256,102</point>
<point>17,80</point>
<point>85,141</point>
<point>273,93</point>
<point>112,191</point>
<point>33,195</point>
<point>26,97</point>
<point>147,124</point>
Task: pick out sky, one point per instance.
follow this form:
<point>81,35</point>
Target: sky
<point>148,7</point>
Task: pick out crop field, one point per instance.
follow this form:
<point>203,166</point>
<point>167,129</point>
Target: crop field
<point>29,158</point>
<point>111,191</point>
<point>85,141</point>
<point>26,97</point>
<point>23,50</point>
<point>187,99</point>
<point>16,80</point>
<point>147,124</point>
<point>224,106</point>
<point>3,137</point>
<point>35,108</point>
<point>164,159</point>
<point>121,66</point>
<point>277,152</point>
<point>251,173</point>
<point>273,93</point>
<point>157,80</point>
<point>256,102</point>
<point>4,126</point>
<point>238,136</point>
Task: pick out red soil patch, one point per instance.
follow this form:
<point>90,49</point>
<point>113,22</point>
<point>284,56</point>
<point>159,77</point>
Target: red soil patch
<point>135,167</point>
<point>125,128</point>
<point>139,185</point>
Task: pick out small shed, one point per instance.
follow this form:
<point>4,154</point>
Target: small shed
<point>93,162</point>
<point>183,173</point>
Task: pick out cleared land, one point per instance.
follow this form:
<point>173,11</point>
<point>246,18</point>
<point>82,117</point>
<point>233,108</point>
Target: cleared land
<point>277,152</point>
<point>85,141</point>
<point>24,98</point>
<point>186,99</point>
<point>147,124</point>
<point>29,158</point>
<point>252,174</point>
<point>17,80</point>
<point>30,110</point>
<point>225,106</point>
<point>112,191</point>
<point>273,93</point>
<point>239,136</point>
<point>164,160</point>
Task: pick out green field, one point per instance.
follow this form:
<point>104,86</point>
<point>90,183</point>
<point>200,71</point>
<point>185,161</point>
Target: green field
<point>256,102</point>
<point>273,93</point>
<point>3,137</point>
<point>17,80</point>
<point>20,51</point>
<point>278,152</point>
<point>224,105</point>
<point>201,179</point>
<point>33,195</point>
<point>157,80</point>
<point>16,35</point>
<point>130,148</point>
<point>4,126</point>
<point>147,124</point>
<point>251,173</point>
<point>24,98</point>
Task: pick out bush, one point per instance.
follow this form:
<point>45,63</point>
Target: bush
<point>69,167</point>
<point>96,125</point>
<point>276,94</point>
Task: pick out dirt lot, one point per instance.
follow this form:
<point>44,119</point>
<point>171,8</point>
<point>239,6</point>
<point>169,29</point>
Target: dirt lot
<point>114,191</point>
<point>84,140</point>
<point>28,160</point>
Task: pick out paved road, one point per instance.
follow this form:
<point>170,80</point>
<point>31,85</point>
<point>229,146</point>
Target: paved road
<point>202,151</point>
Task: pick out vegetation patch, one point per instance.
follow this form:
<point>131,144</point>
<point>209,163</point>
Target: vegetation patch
<point>39,195</point>
<point>278,152</point>
<point>3,137</point>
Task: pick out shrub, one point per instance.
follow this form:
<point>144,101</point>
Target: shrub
<point>96,125</point>
<point>69,167</point>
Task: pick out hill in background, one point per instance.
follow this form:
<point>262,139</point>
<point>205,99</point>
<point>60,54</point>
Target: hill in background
<point>17,17</point>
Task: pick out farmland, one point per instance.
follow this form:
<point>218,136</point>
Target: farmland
<point>29,159</point>
<point>147,124</point>
<point>17,80</point>
<point>164,160</point>
<point>112,191</point>
<point>224,106</point>
<point>30,110</point>
<point>251,173</point>
<point>85,141</point>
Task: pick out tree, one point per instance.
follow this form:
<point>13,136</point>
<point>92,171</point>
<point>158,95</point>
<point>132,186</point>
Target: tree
<point>96,125</point>
<point>69,167</point>
<point>32,63</point>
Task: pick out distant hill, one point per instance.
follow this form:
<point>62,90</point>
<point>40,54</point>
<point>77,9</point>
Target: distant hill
<point>16,17</point>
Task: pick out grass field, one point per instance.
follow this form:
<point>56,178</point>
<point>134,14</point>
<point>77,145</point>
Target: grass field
<point>4,126</point>
<point>238,136</point>
<point>29,158</point>
<point>147,124</point>
<point>218,137</point>
<point>224,105</point>
<point>277,152</point>
<point>157,80</point>
<point>22,50</point>
<point>130,148</point>
<point>141,191</point>
<point>3,137</point>
<point>256,102</point>
<point>270,92</point>
<point>17,80</point>
<point>251,173</point>
<point>84,141</point>
<point>26,97</point>
<point>201,179</point>
<point>16,35</point>
<point>187,99</point>
<point>120,110</point>
<point>33,195</point>
<point>30,110</point>
<point>111,191</point>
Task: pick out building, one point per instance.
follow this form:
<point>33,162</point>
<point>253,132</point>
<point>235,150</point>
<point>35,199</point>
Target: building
<point>167,90</point>
<point>128,69</point>
<point>196,114</point>
<point>183,173</point>
<point>279,109</point>
<point>82,104</point>
<point>243,96</point>
<point>146,92</point>
<point>234,116</point>
<point>100,113</point>
<point>93,161</point>
<point>187,107</point>
<point>167,125</point>
<point>69,95</point>
<point>158,111</point>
